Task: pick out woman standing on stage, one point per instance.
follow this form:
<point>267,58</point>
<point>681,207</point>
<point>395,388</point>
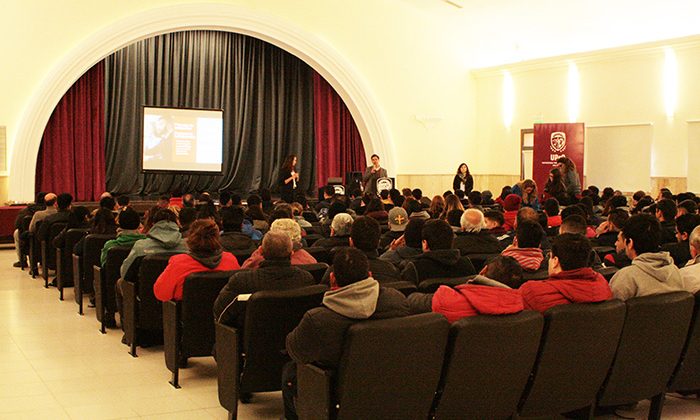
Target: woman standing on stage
<point>288,179</point>
<point>463,180</point>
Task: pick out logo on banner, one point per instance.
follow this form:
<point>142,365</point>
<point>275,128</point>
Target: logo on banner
<point>557,142</point>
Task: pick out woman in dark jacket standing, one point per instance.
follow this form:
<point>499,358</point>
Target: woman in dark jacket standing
<point>288,179</point>
<point>463,180</point>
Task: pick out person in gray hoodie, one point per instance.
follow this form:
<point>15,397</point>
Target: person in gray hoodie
<point>652,271</point>
<point>354,296</point>
<point>164,236</point>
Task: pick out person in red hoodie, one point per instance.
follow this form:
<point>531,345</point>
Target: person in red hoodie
<point>206,254</point>
<point>571,280</point>
<point>551,209</point>
<point>492,292</point>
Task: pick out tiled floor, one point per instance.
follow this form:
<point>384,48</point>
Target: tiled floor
<point>54,364</point>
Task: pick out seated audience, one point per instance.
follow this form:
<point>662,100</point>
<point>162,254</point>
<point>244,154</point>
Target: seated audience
<point>233,239</point>
<point>275,273</point>
<point>375,210</point>
<point>127,233</point>
<point>340,232</point>
<point>123,202</point>
<point>20,232</point>
<point>319,337</point>
<point>454,219</point>
<point>398,219</point>
<point>437,206</point>
<point>687,206</point>
<point>511,205</point>
<point>164,236</point>
<point>691,272</point>
<point>526,245</point>
<point>408,246</point>
<point>415,210</point>
<point>494,221</point>
<point>652,271</point>
<point>205,254</point>
<point>527,190</point>
<point>256,214</point>
<point>298,213</point>
<point>61,215</point>
<point>474,239</point>
<point>291,229</point>
<point>607,232</point>
<point>551,209</point>
<point>680,250</point>
<point>328,193</point>
<point>666,214</point>
<point>77,219</point>
<point>364,236</point>
<point>571,280</point>
<point>491,293</point>
<point>451,203</point>
<point>474,199</point>
<point>439,259</point>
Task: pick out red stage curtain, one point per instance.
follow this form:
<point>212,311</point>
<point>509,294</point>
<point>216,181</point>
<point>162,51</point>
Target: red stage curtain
<point>71,156</point>
<point>339,147</point>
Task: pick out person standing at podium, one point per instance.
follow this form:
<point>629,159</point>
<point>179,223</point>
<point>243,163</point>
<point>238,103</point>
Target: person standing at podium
<point>288,179</point>
<point>372,174</point>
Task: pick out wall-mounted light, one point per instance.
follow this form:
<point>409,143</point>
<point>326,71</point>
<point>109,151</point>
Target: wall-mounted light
<point>574,98</point>
<point>508,99</point>
<point>670,81</point>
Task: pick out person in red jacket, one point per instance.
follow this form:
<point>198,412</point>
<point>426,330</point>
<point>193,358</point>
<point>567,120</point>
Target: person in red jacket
<point>206,254</point>
<point>571,280</point>
<point>493,292</point>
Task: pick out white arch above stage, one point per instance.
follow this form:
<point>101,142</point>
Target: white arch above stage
<point>317,53</point>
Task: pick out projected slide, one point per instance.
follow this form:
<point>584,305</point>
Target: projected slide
<point>182,140</point>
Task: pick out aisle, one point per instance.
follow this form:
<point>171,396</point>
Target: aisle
<point>55,364</point>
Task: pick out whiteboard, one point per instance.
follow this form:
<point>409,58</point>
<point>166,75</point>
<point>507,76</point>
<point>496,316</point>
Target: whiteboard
<point>619,157</point>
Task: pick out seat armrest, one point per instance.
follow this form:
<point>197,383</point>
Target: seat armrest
<point>313,393</point>
<point>171,333</point>
<point>228,364</point>
<point>129,306</point>
<point>97,287</point>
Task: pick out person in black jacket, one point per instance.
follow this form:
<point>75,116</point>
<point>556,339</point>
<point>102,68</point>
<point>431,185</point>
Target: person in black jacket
<point>474,238</point>
<point>680,251</point>
<point>233,239</point>
<point>364,236</point>
<point>63,202</point>
<point>275,273</point>
<point>666,210</point>
<point>319,337</point>
<point>288,179</point>
<point>463,180</point>
<point>20,233</point>
<point>439,259</point>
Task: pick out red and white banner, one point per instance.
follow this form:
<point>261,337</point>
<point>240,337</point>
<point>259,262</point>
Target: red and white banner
<point>552,141</point>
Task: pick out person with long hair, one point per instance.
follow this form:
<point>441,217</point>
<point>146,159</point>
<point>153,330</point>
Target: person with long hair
<point>555,187</point>
<point>463,180</point>
<point>451,203</point>
<point>569,176</point>
<point>437,206</point>
<point>528,192</point>
<point>288,179</point>
<point>205,253</point>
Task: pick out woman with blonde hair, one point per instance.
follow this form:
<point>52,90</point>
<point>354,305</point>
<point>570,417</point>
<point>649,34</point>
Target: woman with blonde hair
<point>528,192</point>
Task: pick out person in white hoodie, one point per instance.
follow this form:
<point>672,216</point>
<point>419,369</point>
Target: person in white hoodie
<point>691,272</point>
<point>652,271</point>
<point>354,296</point>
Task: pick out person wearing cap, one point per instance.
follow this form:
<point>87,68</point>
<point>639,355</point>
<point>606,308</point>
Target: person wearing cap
<point>340,232</point>
<point>511,205</point>
<point>398,219</point>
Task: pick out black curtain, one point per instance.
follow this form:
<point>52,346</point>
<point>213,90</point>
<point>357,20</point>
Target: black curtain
<point>265,92</point>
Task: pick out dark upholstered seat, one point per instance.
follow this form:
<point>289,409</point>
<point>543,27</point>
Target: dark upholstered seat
<point>64,263</point>
<point>687,375</point>
<point>577,349</point>
<point>104,280</point>
<point>488,363</point>
<point>389,370</point>
<point>252,360</point>
<point>92,249</point>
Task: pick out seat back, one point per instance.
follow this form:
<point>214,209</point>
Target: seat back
<point>472,388</point>
<point>321,254</point>
<point>652,339</point>
<point>72,237</point>
<point>242,255</point>
<point>270,316</point>
<point>317,270</point>
<point>198,295</point>
<point>150,310</point>
<point>577,348</point>
<point>390,368</point>
<point>405,287</point>
<point>54,230</point>
<point>541,274</point>
<point>104,286</point>
<point>687,376</point>
<point>480,260</point>
<point>92,249</point>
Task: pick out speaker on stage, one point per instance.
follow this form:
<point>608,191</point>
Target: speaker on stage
<point>353,181</point>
